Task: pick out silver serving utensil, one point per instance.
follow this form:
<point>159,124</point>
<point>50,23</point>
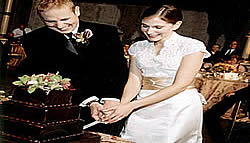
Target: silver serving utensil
<point>90,124</point>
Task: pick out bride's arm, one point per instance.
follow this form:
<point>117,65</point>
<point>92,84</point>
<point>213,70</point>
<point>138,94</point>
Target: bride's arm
<point>133,84</point>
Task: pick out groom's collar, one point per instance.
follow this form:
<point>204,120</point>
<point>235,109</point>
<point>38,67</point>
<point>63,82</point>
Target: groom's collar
<point>76,29</point>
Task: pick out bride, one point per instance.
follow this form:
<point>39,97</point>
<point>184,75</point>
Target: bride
<point>163,105</point>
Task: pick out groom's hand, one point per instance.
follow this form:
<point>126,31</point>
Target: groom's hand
<point>96,110</point>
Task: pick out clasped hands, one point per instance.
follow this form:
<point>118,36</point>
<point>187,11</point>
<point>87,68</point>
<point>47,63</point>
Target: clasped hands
<point>110,111</point>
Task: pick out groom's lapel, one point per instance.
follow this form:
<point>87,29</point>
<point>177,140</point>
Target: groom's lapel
<point>70,47</point>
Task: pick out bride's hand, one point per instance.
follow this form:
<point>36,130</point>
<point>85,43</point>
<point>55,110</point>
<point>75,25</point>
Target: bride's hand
<point>119,112</point>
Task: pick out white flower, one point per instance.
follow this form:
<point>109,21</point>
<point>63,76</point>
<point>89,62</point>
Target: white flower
<point>88,33</point>
<point>83,36</point>
<point>31,82</point>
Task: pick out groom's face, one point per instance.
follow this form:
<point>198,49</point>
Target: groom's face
<point>61,19</point>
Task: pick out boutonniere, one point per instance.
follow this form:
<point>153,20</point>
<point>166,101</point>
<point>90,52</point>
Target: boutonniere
<point>84,36</point>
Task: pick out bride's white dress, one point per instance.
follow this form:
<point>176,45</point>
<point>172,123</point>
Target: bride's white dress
<point>177,119</point>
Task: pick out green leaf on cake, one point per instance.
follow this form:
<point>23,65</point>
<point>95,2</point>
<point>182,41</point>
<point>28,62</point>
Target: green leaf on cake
<point>18,83</point>
<point>32,88</point>
<point>22,80</point>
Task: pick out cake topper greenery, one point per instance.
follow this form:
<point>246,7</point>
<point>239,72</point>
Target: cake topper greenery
<point>47,82</point>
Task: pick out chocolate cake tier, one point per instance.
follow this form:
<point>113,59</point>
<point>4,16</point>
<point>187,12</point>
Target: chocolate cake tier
<point>32,132</point>
<point>41,114</point>
<point>40,98</point>
<point>38,117</point>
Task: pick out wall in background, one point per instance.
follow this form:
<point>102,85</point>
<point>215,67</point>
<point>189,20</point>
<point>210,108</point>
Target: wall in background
<point>211,21</point>
<point>127,19</point>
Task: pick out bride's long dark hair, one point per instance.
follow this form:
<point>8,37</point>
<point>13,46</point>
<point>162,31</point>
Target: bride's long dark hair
<point>168,13</point>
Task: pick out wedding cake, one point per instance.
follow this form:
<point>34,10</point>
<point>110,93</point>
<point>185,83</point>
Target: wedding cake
<point>41,111</point>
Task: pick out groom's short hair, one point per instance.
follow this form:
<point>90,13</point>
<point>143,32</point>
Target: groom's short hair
<point>45,5</point>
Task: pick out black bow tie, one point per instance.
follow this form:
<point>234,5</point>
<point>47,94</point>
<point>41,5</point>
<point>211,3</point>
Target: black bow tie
<point>70,37</point>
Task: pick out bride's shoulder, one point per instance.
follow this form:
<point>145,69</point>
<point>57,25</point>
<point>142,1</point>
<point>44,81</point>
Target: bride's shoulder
<point>187,40</point>
<point>139,46</point>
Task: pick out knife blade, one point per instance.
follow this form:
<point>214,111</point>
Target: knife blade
<point>91,124</point>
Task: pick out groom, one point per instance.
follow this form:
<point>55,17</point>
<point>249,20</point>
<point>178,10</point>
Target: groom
<point>93,58</point>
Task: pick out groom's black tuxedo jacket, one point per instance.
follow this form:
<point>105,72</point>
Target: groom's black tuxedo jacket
<point>99,69</point>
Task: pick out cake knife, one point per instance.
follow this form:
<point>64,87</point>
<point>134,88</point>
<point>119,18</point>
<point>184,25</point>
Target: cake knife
<point>91,124</point>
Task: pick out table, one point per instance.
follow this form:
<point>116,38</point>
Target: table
<point>214,89</point>
<point>105,138</point>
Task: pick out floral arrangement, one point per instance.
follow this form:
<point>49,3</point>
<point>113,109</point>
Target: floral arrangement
<point>83,36</point>
<point>46,82</point>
